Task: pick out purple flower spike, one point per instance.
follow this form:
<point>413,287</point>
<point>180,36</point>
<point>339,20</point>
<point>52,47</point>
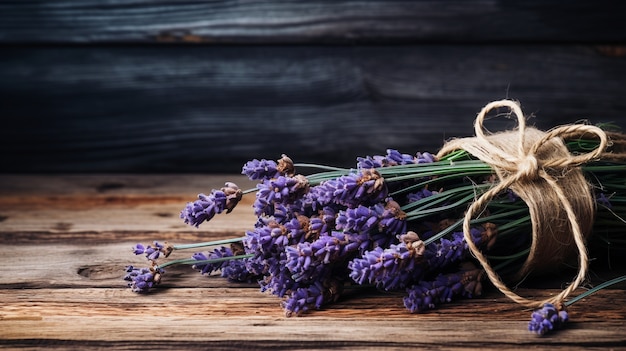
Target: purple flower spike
<point>424,157</point>
<point>365,188</point>
<point>154,251</point>
<point>203,209</point>
<point>393,219</point>
<point>360,220</point>
<point>546,319</point>
<point>233,269</point>
<point>446,252</point>
<point>141,280</point>
<point>390,268</point>
<point>207,206</point>
<point>260,169</point>
<point>282,190</point>
<point>302,299</point>
<point>393,158</point>
<point>425,295</point>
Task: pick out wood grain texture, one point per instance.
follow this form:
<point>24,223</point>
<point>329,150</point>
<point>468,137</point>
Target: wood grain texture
<point>150,21</point>
<point>61,292</point>
<point>210,109</point>
<point>111,203</point>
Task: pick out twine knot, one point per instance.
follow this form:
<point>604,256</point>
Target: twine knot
<point>528,168</point>
<point>538,167</point>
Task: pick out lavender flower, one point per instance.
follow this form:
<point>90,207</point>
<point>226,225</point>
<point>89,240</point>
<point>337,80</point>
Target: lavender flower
<point>446,252</point>
<point>425,295</point>
<point>329,248</point>
<point>302,262</point>
<point>277,278</point>
<point>393,219</point>
<point>282,190</point>
<point>388,219</point>
<point>141,280</point>
<point>401,264</point>
<point>360,219</point>
<point>208,268</point>
<point>309,261</point>
<point>267,240</point>
<point>207,206</point>
<point>390,268</point>
<point>153,252</point>
<point>302,299</point>
<point>232,269</point>
<point>260,169</point>
<point>393,158</point>
<point>297,229</point>
<point>319,196</point>
<point>138,249</point>
<point>546,319</point>
<point>364,188</point>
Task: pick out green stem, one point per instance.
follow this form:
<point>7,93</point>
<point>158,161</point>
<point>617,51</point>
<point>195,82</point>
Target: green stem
<point>324,167</point>
<point>208,243</point>
<point>193,261</point>
<point>421,213</point>
<point>595,289</point>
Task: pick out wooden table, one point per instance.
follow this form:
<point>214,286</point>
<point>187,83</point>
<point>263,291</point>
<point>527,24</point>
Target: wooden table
<point>66,240</point>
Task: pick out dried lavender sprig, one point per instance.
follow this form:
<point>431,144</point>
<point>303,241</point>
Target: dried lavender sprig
<point>424,295</point>
<point>314,295</point>
<point>141,280</point>
<point>154,252</point>
<point>282,190</point>
<point>399,265</point>
<point>550,318</point>
<point>207,206</point>
<point>233,269</point>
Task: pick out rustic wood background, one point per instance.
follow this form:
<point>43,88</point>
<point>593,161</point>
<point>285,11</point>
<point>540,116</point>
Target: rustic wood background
<point>203,86</point>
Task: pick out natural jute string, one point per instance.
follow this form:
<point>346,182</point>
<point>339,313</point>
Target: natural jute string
<point>538,167</point>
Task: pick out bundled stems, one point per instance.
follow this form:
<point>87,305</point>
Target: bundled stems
<point>395,221</point>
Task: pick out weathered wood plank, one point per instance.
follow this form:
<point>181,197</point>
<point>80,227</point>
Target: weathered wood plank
<point>240,317</point>
<point>109,208</point>
<point>143,21</point>
<point>210,109</point>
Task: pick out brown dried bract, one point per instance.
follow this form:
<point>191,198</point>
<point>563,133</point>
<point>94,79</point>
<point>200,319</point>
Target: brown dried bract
<point>285,166</point>
<point>395,210</point>
<point>233,195</point>
<point>371,174</point>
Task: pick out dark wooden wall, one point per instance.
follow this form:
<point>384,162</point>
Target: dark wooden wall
<point>203,86</point>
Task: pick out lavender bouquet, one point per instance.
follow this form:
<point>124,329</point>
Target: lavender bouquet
<point>434,225</point>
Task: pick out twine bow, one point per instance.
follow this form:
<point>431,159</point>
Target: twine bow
<point>537,166</point>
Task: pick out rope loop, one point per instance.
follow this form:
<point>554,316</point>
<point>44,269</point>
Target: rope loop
<point>538,167</point>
